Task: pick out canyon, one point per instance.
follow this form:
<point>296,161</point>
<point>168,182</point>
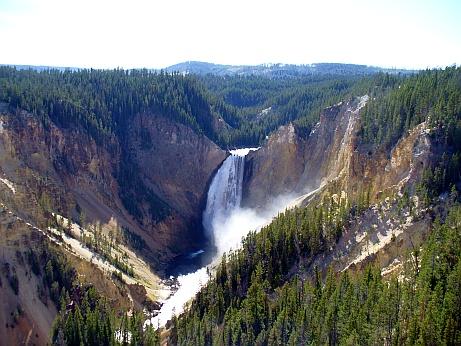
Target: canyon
<point>249,188</point>
<point>146,211</point>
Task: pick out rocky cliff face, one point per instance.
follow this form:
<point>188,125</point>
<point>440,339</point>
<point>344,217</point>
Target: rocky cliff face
<point>175,162</point>
<point>26,314</point>
<point>177,165</point>
<point>292,164</point>
<point>333,164</point>
<point>30,257</point>
<point>275,169</point>
<point>66,171</point>
<point>383,172</point>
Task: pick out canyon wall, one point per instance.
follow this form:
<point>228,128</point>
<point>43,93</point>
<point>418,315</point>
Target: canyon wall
<point>292,163</point>
<point>66,171</point>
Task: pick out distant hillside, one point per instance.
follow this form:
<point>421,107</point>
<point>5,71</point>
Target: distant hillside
<point>43,67</point>
<point>280,70</point>
<point>267,70</point>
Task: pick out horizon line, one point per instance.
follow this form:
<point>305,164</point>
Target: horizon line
<point>268,64</point>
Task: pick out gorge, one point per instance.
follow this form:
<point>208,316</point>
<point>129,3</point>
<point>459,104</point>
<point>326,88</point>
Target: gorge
<point>225,223</point>
<point>294,169</point>
<point>120,196</point>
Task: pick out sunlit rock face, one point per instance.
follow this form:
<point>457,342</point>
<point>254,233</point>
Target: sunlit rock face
<point>295,163</point>
<point>292,162</point>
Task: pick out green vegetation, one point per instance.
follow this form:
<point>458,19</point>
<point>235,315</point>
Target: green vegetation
<point>262,265</point>
<point>57,274</point>
<point>100,104</point>
<point>132,239</point>
<point>105,245</point>
<point>443,177</point>
<point>85,316</point>
<point>247,307</point>
<point>89,320</point>
<point>262,294</point>
<point>433,96</point>
<point>103,102</point>
<point>261,105</point>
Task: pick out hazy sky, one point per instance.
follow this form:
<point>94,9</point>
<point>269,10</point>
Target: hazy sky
<point>142,33</point>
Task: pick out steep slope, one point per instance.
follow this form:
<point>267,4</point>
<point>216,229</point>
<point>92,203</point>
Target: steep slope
<point>35,271</point>
<point>66,171</point>
<point>291,163</point>
<point>25,315</point>
<point>175,162</point>
<point>88,145</point>
<point>129,156</point>
<point>50,169</point>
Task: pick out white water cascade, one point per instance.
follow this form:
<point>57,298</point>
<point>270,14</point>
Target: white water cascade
<point>224,196</point>
<point>225,193</point>
<point>225,223</point>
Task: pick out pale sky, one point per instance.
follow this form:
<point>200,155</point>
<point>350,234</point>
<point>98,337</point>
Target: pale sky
<point>156,34</point>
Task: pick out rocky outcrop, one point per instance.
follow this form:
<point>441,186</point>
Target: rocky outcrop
<point>27,303</point>
<point>26,312</point>
<point>332,163</point>
<point>275,169</point>
<point>290,163</point>
<point>66,171</point>
<point>174,161</point>
<point>177,165</point>
<point>401,168</point>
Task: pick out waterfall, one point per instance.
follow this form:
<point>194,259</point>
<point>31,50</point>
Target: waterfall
<point>225,223</point>
<point>223,220</point>
<point>224,194</point>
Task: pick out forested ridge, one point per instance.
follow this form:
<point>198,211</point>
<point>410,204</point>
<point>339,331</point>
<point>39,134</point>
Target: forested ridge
<point>433,96</point>
<point>261,105</point>
<point>86,316</point>
<point>102,102</point>
<point>347,308</point>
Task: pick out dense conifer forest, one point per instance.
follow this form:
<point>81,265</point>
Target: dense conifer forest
<point>249,302</point>
<point>101,102</point>
<point>433,96</point>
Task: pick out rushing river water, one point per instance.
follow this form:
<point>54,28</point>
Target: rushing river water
<point>225,223</point>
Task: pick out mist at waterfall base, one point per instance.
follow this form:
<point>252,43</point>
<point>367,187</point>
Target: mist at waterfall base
<point>225,223</point>
<point>230,228</point>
